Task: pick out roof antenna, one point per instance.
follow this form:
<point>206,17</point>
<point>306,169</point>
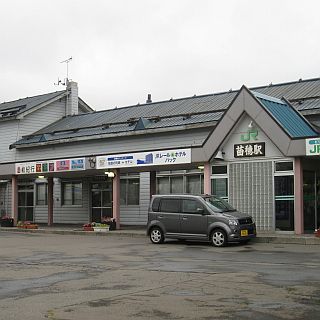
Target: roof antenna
<point>66,80</point>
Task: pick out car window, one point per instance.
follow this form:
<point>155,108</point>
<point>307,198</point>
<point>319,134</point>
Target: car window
<point>170,205</point>
<point>218,204</point>
<point>190,206</point>
<point>155,204</point>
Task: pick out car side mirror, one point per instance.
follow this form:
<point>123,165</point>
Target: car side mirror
<point>200,210</point>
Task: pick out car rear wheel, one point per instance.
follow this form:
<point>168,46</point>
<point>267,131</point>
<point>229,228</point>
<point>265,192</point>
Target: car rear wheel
<point>156,235</point>
<point>218,238</point>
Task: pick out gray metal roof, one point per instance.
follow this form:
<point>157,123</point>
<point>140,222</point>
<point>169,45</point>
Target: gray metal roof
<point>127,127</point>
<point>18,106</point>
<point>304,94</point>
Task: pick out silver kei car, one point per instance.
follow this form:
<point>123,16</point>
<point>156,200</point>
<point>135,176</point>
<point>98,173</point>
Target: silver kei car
<point>197,217</point>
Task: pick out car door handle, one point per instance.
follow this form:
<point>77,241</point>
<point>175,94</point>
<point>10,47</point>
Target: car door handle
<point>160,217</point>
<point>184,218</point>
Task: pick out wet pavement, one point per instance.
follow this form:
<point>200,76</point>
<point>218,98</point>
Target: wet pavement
<point>140,232</point>
<point>54,276</point>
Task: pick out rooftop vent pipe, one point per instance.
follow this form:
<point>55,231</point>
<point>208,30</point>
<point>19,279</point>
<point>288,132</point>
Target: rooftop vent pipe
<point>149,98</point>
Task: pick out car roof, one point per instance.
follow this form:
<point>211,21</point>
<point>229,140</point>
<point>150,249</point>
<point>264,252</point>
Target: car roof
<point>184,195</point>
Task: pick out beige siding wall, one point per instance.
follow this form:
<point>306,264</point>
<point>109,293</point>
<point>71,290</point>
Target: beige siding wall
<point>13,130</point>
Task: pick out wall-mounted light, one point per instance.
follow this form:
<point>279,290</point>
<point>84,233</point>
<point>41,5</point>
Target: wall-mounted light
<point>110,174</point>
<point>41,179</point>
<point>219,155</point>
<point>251,125</point>
<point>201,167</point>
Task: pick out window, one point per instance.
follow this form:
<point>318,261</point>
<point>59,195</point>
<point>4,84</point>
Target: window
<point>71,193</point>
<point>190,206</point>
<point>25,202</point>
<point>176,184</point>
<point>284,166</point>
<point>170,205</point>
<point>42,194</point>
<point>195,184</point>
<point>129,191</point>
<point>155,204</point>
<point>180,181</point>
<point>284,202</point>
<point>219,187</point>
<point>163,185</point>
<point>219,170</point>
<point>219,181</point>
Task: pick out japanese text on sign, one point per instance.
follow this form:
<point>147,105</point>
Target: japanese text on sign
<point>50,166</point>
<point>249,150</point>
<point>152,158</point>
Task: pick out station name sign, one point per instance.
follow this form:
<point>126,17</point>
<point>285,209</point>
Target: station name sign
<point>313,147</point>
<point>246,150</point>
<point>152,158</point>
<point>48,166</point>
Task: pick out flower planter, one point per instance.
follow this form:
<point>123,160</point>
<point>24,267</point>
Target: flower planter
<point>87,229</point>
<point>6,222</point>
<point>31,226</point>
<point>99,229</point>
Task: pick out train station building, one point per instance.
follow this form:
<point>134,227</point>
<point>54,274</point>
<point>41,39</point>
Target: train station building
<point>258,148</point>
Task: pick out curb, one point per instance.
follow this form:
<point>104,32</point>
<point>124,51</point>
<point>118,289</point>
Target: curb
<point>119,233</point>
<point>272,239</point>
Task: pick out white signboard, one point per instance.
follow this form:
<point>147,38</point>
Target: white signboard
<point>313,147</point>
<point>152,158</point>
<point>50,166</point>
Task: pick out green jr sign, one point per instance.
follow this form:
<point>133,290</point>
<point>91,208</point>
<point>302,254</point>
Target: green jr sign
<point>251,134</point>
<point>313,147</point>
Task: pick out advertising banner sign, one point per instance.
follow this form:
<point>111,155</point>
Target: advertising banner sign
<point>152,158</point>
<point>50,166</point>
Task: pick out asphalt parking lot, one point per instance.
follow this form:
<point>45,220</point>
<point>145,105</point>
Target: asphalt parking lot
<point>47,276</point>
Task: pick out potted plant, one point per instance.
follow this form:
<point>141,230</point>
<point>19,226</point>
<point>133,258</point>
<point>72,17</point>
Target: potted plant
<point>6,221</point>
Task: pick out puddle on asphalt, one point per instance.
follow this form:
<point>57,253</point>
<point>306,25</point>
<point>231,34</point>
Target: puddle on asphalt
<point>11,288</point>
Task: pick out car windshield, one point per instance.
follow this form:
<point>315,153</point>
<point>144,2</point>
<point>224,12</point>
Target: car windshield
<point>218,204</point>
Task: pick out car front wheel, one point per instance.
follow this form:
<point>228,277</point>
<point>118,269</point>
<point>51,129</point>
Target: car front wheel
<point>218,238</point>
<point>156,235</point>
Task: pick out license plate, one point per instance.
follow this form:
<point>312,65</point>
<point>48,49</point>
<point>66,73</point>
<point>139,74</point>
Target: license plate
<point>244,233</point>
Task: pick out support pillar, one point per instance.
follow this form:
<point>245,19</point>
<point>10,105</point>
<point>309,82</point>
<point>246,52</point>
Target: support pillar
<point>14,203</point>
<point>153,183</point>
<point>207,178</point>
<point>50,201</point>
<point>298,197</point>
<point>116,198</point>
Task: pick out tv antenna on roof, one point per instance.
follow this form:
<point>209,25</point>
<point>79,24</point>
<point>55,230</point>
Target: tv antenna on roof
<point>66,80</point>
<point>67,63</point>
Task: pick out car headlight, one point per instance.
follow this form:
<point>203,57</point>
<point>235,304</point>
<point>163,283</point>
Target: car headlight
<point>233,222</point>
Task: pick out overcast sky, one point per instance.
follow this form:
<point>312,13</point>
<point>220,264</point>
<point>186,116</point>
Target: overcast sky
<point>124,49</point>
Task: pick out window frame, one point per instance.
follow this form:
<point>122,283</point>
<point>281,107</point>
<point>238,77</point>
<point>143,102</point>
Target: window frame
<point>73,198</point>
<point>38,185</point>
<point>184,174</point>
<point>290,198</point>
<point>217,176</point>
<point>127,179</point>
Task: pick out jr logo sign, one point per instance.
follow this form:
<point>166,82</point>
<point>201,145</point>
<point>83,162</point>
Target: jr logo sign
<point>251,134</point>
<point>313,147</point>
